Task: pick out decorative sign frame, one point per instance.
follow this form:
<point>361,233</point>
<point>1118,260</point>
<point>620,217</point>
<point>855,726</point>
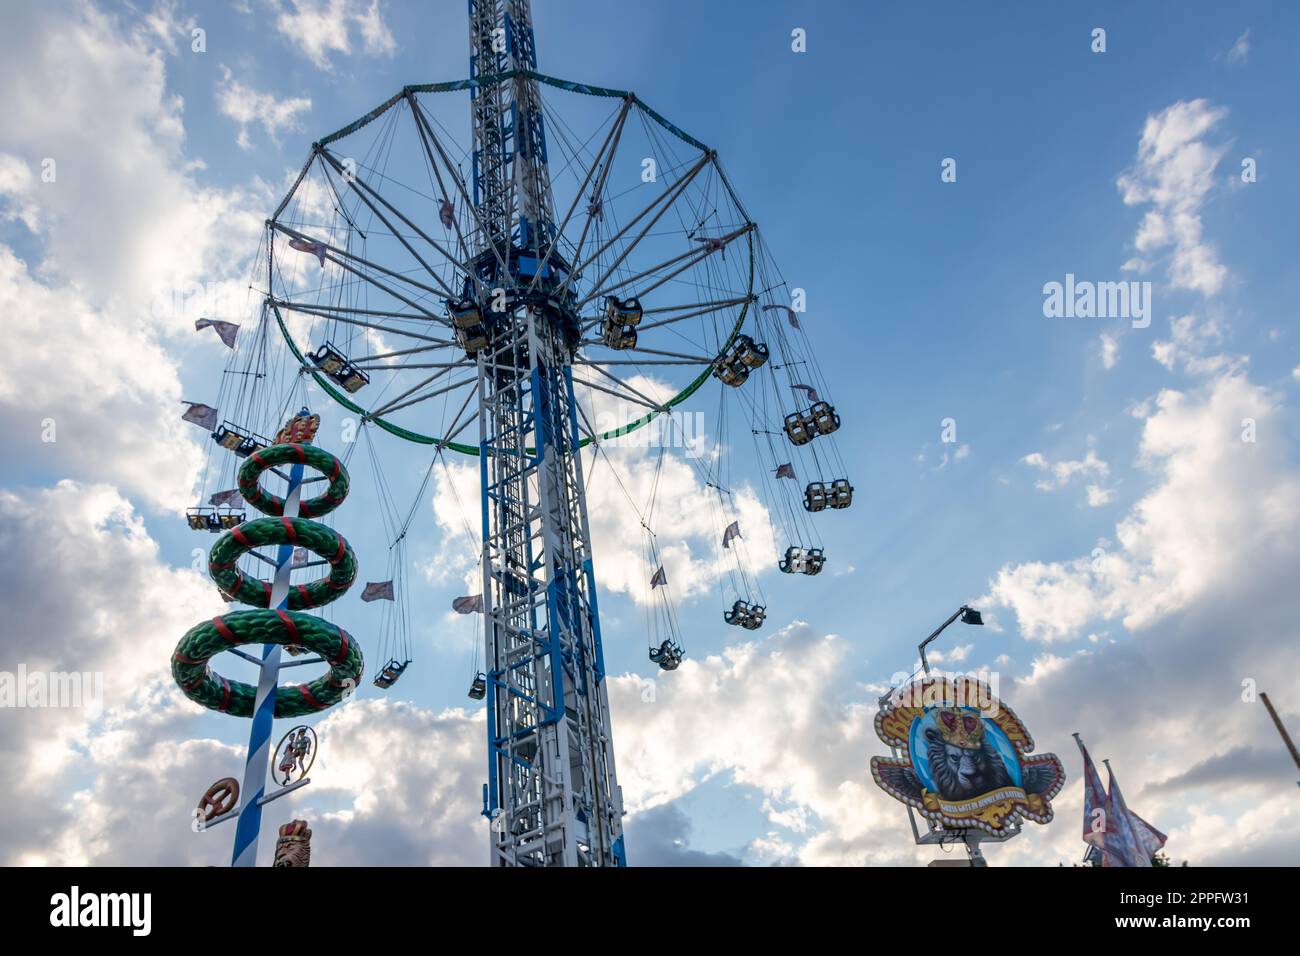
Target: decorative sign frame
<point>965,760</point>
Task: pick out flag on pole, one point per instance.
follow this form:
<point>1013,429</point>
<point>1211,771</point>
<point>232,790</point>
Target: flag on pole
<point>1095,816</point>
<point>447,213</point>
<point>229,498</point>
<point>377,591</point>
<point>227,330</point>
<point>1149,838</point>
<point>200,414</point>
<point>809,391</point>
<point>786,471</point>
<point>659,578</point>
<point>1123,845</point>
<point>317,249</point>
<point>733,531</point>
<point>789,314</point>
<point>468,604</point>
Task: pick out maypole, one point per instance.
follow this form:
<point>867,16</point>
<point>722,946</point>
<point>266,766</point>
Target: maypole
<point>277,622</point>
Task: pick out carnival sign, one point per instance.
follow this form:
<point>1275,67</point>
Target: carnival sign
<point>964,759</point>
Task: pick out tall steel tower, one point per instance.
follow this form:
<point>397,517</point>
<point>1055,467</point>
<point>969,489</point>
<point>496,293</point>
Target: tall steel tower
<point>552,794</point>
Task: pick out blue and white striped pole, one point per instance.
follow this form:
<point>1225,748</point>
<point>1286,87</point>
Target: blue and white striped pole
<point>249,823</point>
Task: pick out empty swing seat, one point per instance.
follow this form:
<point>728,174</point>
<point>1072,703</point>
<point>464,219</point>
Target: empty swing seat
<point>389,673</point>
<point>796,429</point>
<point>333,363</point>
<point>234,439</point>
<point>793,561</point>
<point>621,319</point>
<point>623,311</point>
<point>823,418</point>
<point>667,655</point>
<point>744,355</point>
<point>814,496</point>
<point>746,615</point>
<point>841,493</point>
<point>478,687</point>
<point>467,319</point>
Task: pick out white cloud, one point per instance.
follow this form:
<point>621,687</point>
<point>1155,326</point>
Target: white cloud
<point>1174,173</point>
<point>1245,503</point>
<point>247,106</point>
<point>321,27</point>
<point>96,305</point>
<point>1058,474</point>
<point>1109,351</point>
<point>1239,52</point>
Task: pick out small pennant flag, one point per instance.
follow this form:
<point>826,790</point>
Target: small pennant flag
<point>733,531</point>
<point>317,249</point>
<point>786,471</point>
<point>809,391</point>
<point>227,330</point>
<point>378,591</point>
<point>789,314</point>
<point>468,604</point>
<point>226,499</point>
<point>200,414</point>
<point>1094,802</point>
<point>447,213</point>
<point>659,578</point>
<point>596,208</point>
<point>299,558</point>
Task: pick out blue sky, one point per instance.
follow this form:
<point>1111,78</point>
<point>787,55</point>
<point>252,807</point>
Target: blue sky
<point>925,301</point>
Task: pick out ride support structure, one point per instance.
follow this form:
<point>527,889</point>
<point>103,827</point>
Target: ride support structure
<point>552,794</point>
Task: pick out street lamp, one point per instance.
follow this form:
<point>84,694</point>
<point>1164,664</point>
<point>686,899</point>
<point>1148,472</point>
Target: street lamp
<point>968,615</point>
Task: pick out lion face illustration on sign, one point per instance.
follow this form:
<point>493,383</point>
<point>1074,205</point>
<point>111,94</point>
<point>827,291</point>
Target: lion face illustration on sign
<point>966,763</point>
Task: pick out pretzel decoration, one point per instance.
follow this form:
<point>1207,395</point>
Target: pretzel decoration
<point>220,798</point>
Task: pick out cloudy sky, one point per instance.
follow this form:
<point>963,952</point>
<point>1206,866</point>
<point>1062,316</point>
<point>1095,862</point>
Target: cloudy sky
<point>1122,501</point>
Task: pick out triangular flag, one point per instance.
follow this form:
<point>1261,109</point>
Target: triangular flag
<point>468,604</point>
<point>447,213</point>
<point>227,330</point>
<point>200,414</point>
<point>317,249</point>
<point>1123,847</point>
<point>810,391</point>
<point>1094,800</point>
<point>733,531</point>
<point>659,578</point>
<point>786,471</point>
<point>229,498</point>
<point>378,591</point>
<point>789,314</point>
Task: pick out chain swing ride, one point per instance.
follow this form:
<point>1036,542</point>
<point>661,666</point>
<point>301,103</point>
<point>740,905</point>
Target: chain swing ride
<point>563,271</point>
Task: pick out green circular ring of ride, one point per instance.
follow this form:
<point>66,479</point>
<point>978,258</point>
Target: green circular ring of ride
<point>317,538</point>
<point>486,82</point>
<point>335,646</point>
<point>293,454</point>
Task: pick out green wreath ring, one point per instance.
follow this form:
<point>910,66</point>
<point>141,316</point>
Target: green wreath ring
<point>317,538</point>
<point>293,454</point>
<point>191,671</point>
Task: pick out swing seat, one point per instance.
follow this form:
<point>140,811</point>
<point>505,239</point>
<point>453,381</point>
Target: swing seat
<point>793,562</point>
<point>626,312</point>
<point>478,689</point>
<point>814,497</point>
<point>234,439</point>
<point>334,364</point>
<point>841,493</point>
<point>389,673</point>
<point>667,655</point>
